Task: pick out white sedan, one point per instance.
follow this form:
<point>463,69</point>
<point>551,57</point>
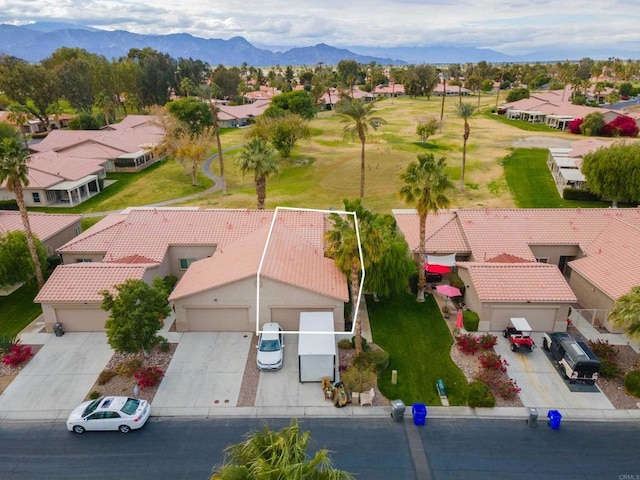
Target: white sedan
<point>109,413</point>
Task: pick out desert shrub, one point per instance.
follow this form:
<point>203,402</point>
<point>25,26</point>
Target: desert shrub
<point>518,94</point>
<point>8,341</point>
<point>94,394</point>
<point>480,395</point>
<point>604,350</point>
<point>170,282</point>
<point>345,343</point>
<point>105,376</point>
<point>17,354</point>
<point>468,344</point>
<point>375,360</point>
<point>164,345</point>
<point>365,347</point>
<point>8,205</point>
<point>488,341</point>
<point>148,377</point>
<point>493,361</point>
<point>592,124</point>
<point>609,369</point>
<point>128,367</point>
<point>632,383</point>
<point>470,320</point>
<point>358,379</point>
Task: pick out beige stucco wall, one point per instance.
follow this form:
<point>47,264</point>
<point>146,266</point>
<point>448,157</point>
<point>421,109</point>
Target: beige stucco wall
<point>242,294</point>
<point>69,258</point>
<point>554,252</point>
<point>591,297</point>
<point>75,317</point>
<point>176,252</point>
<point>56,241</point>
<point>28,197</point>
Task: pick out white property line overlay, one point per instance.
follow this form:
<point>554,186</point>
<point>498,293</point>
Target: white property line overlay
<point>264,254</point>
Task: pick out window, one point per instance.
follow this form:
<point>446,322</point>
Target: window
<point>36,197</point>
<point>78,230</point>
<point>83,260</point>
<point>542,260</point>
<point>185,262</point>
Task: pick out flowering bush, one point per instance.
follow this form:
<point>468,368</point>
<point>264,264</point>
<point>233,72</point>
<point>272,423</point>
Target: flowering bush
<point>493,361</point>
<point>621,126</point>
<point>468,344</point>
<point>488,341</point>
<point>574,126</point>
<point>508,389</point>
<point>17,354</point>
<point>148,376</point>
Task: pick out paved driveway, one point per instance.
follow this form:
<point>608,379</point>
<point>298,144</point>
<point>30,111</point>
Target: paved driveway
<point>57,378</point>
<point>541,384</point>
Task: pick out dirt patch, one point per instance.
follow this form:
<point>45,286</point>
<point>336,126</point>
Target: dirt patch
<point>123,385</point>
<point>540,141</point>
<point>250,379</point>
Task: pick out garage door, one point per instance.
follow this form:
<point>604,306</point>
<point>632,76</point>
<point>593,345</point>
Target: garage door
<point>82,319</point>
<point>540,319</point>
<point>289,318</point>
<point>218,320</point>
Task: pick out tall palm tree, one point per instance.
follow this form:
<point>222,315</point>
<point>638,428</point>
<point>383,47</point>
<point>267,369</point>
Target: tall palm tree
<point>211,92</point>
<point>13,170</point>
<point>465,110</point>
<point>626,313</point>
<point>19,114</point>
<point>343,247</point>
<point>105,104</point>
<point>256,157</point>
<point>425,184</point>
<point>358,117</point>
<point>268,454</point>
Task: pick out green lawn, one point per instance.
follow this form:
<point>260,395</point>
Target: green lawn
<point>531,183</point>
<point>18,310</point>
<point>418,342</point>
<point>529,127</point>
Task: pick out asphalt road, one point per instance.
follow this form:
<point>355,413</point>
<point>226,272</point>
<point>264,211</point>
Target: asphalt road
<point>368,448</point>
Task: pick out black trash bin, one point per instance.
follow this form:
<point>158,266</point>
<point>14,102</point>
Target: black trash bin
<point>57,329</point>
<point>397,410</point>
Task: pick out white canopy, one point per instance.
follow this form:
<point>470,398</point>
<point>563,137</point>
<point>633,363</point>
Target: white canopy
<point>446,260</point>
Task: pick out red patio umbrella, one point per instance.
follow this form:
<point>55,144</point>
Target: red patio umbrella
<point>459,321</point>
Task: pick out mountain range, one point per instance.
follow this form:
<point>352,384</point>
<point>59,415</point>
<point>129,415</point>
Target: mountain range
<point>34,42</point>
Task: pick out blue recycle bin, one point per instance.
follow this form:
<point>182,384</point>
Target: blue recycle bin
<point>419,412</point>
<point>554,419</point>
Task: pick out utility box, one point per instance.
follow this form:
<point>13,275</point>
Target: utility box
<point>397,410</point>
<point>316,347</point>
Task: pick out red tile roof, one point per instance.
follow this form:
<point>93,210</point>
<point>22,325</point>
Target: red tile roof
<point>444,234</point>
<point>84,281</point>
<point>44,225</point>
<point>518,282</point>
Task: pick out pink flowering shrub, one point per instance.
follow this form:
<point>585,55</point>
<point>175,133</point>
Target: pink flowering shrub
<point>17,354</point>
<point>621,126</point>
<point>148,376</point>
<point>493,361</point>
<point>574,126</point>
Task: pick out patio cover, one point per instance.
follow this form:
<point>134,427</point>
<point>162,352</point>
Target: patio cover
<point>444,260</point>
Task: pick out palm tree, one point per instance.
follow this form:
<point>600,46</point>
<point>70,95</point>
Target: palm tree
<point>343,247</point>
<point>626,313</point>
<point>19,114</point>
<point>465,110</point>
<point>210,92</point>
<point>426,185</point>
<point>105,104</point>
<point>358,117</point>
<point>13,170</point>
<point>269,454</point>
<point>256,157</point>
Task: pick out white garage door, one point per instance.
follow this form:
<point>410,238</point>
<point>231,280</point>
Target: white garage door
<point>82,319</point>
<point>219,320</point>
<point>540,319</point>
<point>289,318</point>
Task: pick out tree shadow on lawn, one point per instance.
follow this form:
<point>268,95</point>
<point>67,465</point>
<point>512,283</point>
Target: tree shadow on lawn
<point>419,343</point>
<point>431,146</point>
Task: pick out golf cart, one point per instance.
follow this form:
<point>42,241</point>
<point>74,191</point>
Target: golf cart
<point>518,332</point>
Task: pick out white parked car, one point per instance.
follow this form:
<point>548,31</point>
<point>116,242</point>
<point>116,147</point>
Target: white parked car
<point>109,413</point>
<point>270,347</point>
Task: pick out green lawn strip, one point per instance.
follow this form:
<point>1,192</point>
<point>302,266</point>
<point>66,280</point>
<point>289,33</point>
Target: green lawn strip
<point>18,310</point>
<point>529,127</point>
<point>418,342</point>
<point>531,182</point>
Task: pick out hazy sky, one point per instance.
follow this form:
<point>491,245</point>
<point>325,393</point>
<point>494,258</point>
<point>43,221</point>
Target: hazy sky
<point>512,27</point>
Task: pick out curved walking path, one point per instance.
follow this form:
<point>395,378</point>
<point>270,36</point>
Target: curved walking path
<point>206,170</point>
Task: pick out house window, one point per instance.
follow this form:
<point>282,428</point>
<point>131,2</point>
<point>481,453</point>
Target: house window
<point>78,230</point>
<point>36,197</point>
<point>185,262</point>
<point>542,260</point>
<point>83,260</point>
<point>51,196</point>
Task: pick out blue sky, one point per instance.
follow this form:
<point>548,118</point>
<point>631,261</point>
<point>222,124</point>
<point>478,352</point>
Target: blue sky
<point>513,27</point>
